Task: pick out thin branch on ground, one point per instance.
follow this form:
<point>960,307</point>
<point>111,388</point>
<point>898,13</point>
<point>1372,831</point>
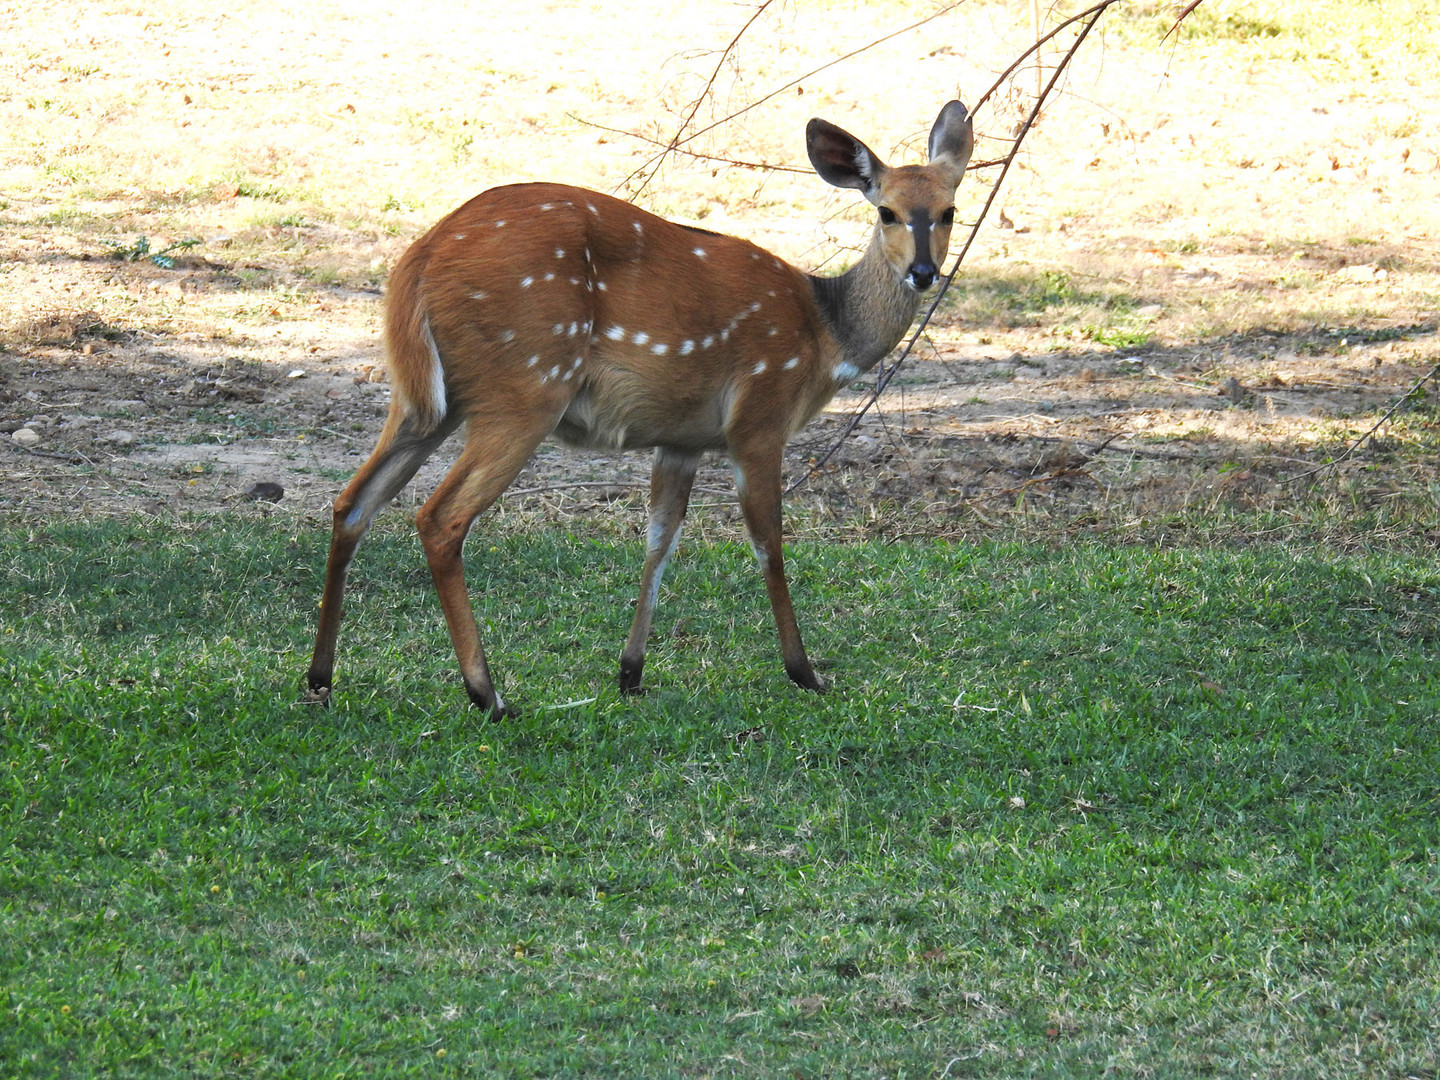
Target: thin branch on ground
<point>1363,439</point>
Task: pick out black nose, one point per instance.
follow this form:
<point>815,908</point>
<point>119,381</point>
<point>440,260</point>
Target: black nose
<point>921,276</point>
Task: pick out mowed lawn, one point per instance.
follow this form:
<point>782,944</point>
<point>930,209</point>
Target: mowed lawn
<point>1075,809</point>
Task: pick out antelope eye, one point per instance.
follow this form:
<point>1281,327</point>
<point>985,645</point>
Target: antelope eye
<point>887,216</point>
<point>948,217</point>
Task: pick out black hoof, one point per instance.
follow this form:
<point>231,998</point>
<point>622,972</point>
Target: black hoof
<point>806,679</point>
<point>491,704</point>
<point>630,675</point>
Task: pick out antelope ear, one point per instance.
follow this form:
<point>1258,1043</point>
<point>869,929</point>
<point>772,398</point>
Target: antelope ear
<point>952,140</point>
<point>843,160</point>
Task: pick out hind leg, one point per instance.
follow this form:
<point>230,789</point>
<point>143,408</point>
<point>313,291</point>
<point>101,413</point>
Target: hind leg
<point>400,451</point>
<point>497,446</point>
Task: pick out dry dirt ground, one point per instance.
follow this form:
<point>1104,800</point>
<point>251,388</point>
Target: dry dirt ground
<point>1213,267</point>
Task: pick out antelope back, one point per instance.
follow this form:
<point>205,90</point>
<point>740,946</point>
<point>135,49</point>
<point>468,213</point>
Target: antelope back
<point>639,331</point>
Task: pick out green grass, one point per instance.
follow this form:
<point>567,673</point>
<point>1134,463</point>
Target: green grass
<point>1067,811</point>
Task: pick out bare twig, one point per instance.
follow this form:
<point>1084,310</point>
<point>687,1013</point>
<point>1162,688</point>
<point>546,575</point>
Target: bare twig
<point>652,165</point>
<point>1189,10</point>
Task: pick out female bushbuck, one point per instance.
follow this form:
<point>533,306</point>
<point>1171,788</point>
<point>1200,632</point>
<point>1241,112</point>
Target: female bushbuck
<point>538,310</point>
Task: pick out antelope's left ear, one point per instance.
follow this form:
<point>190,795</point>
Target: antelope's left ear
<point>952,140</point>
<point>843,160</point>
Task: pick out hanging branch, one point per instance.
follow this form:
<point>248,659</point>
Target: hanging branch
<point>1089,17</point>
<point>651,166</point>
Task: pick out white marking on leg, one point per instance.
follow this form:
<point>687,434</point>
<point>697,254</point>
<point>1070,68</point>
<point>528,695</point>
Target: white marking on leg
<point>761,555</point>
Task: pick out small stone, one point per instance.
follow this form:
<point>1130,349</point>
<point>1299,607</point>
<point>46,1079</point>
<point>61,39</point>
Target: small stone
<point>25,437</point>
<point>119,437</point>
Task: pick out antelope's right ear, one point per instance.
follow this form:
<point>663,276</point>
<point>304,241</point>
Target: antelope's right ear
<point>843,160</point>
<point>952,140</point>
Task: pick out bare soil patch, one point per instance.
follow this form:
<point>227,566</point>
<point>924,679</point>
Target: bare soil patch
<point>1209,274</point>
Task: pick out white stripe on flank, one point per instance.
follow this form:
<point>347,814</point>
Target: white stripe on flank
<point>437,372</point>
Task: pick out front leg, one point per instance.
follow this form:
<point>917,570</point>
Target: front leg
<point>671,477</point>
<point>757,473</point>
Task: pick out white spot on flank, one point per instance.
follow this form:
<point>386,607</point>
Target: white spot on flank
<point>845,371</point>
<point>479,294</point>
<point>574,329</point>
<point>754,307</point>
<point>459,236</point>
<point>526,282</point>
<point>660,349</point>
<point>687,347</point>
<point>792,363</point>
<point>507,336</point>
<point>547,206</point>
<point>639,229</point>
<point>532,361</point>
<point>615,333</point>
<point>549,277</point>
<point>591,208</point>
<point>559,253</point>
<point>558,328</point>
<point>500,224</point>
<point>759,368</point>
<point>640,337</point>
<point>554,371</point>
<point>709,340</point>
<point>601,286</point>
<point>700,252</point>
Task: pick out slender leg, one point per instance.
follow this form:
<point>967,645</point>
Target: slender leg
<point>671,477</point>
<point>495,451</point>
<point>401,450</point>
<point>757,473</point>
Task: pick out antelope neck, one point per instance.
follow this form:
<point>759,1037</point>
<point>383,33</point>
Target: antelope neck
<point>868,308</point>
